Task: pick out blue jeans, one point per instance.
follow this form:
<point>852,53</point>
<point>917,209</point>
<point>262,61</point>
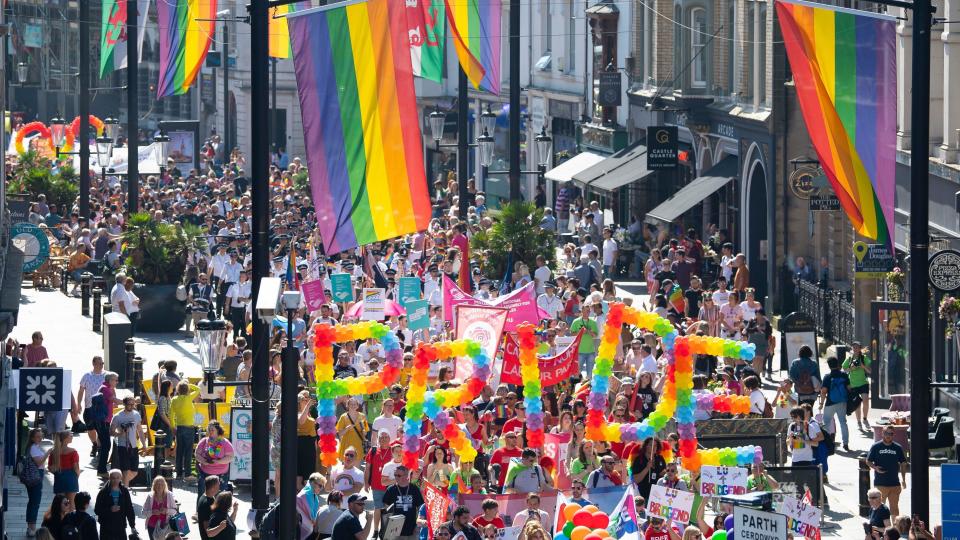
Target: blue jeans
<point>34,494</point>
<point>840,411</point>
<point>586,362</point>
<point>184,458</point>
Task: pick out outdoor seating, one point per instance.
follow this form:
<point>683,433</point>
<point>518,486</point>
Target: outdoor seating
<point>943,439</point>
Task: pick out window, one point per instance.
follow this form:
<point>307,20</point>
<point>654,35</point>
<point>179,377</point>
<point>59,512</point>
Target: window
<point>698,43</point>
<point>571,54</point>
<point>546,30</point>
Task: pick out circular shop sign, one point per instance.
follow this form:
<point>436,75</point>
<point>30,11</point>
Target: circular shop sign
<point>801,182</point>
<point>33,243</point>
<point>943,270</point>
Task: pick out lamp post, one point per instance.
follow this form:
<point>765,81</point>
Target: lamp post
<point>212,343</point>
<point>23,71</point>
<point>288,419</point>
<point>104,154</point>
<point>163,152</point>
<point>544,143</point>
<point>58,132</point>
<point>437,120</point>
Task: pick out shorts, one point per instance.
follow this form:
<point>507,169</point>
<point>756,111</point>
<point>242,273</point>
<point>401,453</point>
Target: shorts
<point>125,458</point>
<point>887,491</point>
<point>861,390</point>
<point>378,498</point>
<point>88,419</point>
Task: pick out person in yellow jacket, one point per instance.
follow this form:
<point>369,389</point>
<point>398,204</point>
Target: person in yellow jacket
<point>183,416</point>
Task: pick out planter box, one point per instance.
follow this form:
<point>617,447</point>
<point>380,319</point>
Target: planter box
<point>160,311</point>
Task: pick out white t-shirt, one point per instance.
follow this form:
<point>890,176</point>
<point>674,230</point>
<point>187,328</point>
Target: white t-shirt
<point>37,452</point>
<point>801,450</point>
<point>720,298</point>
<point>609,248</point>
<point>757,401</point>
<point>649,365</point>
<point>391,424</point>
<point>91,383</point>
<point>125,417</point>
<point>542,275</point>
<point>345,479</point>
<point>526,514</point>
<point>389,469</point>
<point>726,267</point>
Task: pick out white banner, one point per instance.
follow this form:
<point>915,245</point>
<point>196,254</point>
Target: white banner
<point>374,304</point>
<point>146,160</point>
<point>720,481</point>
<point>804,518</point>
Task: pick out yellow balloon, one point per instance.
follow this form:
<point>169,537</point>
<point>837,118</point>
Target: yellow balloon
<point>579,533</point>
<point>570,509</point>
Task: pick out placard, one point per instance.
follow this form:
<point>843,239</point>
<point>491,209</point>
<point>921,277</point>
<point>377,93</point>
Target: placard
<point>341,287</point>
<point>408,289</point>
<point>720,481</point>
<point>872,260</point>
<point>394,527</point>
<point>804,519</point>
<point>483,324</point>
<point>796,330</point>
<point>418,314</point>
<point>950,499</point>
<point>313,294</point>
<point>756,525</point>
<point>662,147</point>
<point>436,503</point>
<point>510,504</point>
<point>241,437</point>
<point>374,304</point>
<point>670,504</point>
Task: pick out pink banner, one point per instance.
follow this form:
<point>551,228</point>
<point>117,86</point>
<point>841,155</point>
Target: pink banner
<point>555,445</point>
<point>313,294</point>
<point>552,370</point>
<point>436,503</point>
<point>521,303</point>
<point>483,324</point>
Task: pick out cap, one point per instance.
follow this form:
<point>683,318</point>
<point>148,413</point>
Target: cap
<point>432,268</point>
<point>550,284</point>
<point>391,272</point>
<point>356,497</point>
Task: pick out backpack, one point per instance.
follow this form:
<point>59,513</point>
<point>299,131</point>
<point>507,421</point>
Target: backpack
<point>838,390</point>
<point>98,408</point>
<point>767,409</point>
<point>72,523</point>
<point>30,473</point>
<point>270,523</point>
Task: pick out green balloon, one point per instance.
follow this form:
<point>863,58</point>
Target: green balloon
<point>568,528</point>
<point>719,535</point>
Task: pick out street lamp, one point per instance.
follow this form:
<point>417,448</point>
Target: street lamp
<point>288,419</point>
<point>212,341</point>
<point>544,146</point>
<point>58,132</point>
<point>105,154</point>
<point>163,151</point>
<point>488,121</point>
<point>111,128</point>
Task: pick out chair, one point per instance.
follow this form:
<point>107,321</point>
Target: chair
<point>943,438</point>
<point>900,403</point>
<point>936,417</point>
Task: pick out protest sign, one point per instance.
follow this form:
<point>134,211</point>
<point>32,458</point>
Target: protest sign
<point>521,303</point>
<point>418,314</point>
<point>804,518</point>
<point>752,524</point>
<point>720,481</point>
<point>555,447</point>
<point>670,504</point>
<point>374,304</point>
<point>483,324</point>
<point>341,287</point>
<point>313,294</point>
<point>408,289</point>
<point>436,503</point>
<point>553,369</point>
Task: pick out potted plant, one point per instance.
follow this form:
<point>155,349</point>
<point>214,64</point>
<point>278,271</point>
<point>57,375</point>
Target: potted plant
<point>156,259</point>
<point>950,311</point>
<point>515,236</point>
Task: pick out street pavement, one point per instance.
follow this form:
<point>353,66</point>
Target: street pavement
<point>71,343</point>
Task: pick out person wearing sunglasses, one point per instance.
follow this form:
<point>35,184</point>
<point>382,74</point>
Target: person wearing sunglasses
<point>886,457</point>
<point>403,499</point>
<point>347,526</point>
<point>606,475</point>
<point>346,477</point>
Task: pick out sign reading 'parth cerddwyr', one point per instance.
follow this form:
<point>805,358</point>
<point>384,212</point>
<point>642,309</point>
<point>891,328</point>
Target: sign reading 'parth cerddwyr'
<point>758,525</point>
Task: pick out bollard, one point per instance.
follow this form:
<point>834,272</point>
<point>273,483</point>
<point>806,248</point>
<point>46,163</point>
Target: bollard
<point>136,369</point>
<point>85,279</point>
<point>97,314</point>
<point>64,275</point>
<point>864,485</point>
<point>129,350</point>
<point>107,307</point>
<point>99,281</point>
<point>159,435</point>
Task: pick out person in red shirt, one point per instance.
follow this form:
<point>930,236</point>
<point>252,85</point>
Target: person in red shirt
<point>502,457</point>
<point>490,516</point>
<point>520,417</point>
<point>658,531</point>
<point>376,458</point>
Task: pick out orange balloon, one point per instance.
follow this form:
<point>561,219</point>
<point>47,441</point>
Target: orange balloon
<point>579,533</point>
<point>602,533</point>
<point>591,508</point>
<point>570,509</point>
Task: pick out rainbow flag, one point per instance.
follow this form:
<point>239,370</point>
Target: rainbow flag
<point>475,25</point>
<point>293,278</point>
<point>184,42</point>
<point>277,29</point>
<point>845,69</point>
<point>362,133</point>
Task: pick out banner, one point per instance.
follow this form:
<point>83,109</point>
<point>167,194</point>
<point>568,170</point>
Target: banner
<point>758,524</point>
<point>374,304</point>
<point>436,503</point>
<point>553,369</point>
<point>42,388</point>
<point>720,481</point>
<point>113,34</point>
<point>624,524</point>
<point>605,498</point>
<point>803,519</point>
<point>408,289</point>
<point>313,294</point>
<point>521,303</point>
<point>341,287</point>
<point>510,504</point>
<point>418,314</point>
<point>555,446</point>
<point>241,437</point>
<point>483,324</point>
<point>146,160</point>
<point>670,504</point>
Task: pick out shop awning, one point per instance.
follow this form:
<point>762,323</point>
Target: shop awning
<point>626,166</point>
<point>565,171</point>
<point>693,193</point>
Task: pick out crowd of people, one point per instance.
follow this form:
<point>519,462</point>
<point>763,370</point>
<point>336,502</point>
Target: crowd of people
<point>702,288</point>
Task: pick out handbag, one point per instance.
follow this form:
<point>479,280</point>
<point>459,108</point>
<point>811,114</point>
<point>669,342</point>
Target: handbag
<point>156,424</point>
<point>363,440</point>
<point>853,402</point>
<point>180,523</point>
<point>161,532</point>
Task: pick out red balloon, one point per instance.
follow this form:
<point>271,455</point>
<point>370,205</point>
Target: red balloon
<point>599,520</point>
<point>593,536</point>
<point>582,519</point>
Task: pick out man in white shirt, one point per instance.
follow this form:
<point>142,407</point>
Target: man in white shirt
<point>431,286</point>
<point>237,296</point>
<point>542,274</point>
<point>726,261</point>
<point>229,274</point>
<point>532,511</point>
<point>346,477</point>
<point>118,294</point>
<point>610,250</point>
<point>549,302</point>
<point>369,350</point>
<point>387,421</point>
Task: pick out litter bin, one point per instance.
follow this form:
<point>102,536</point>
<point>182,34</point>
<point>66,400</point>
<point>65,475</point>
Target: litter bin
<point>116,330</point>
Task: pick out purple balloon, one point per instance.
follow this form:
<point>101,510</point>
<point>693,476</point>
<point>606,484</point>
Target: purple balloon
<point>728,524</point>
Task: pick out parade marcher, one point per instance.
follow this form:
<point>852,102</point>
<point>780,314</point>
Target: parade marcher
<point>114,507</point>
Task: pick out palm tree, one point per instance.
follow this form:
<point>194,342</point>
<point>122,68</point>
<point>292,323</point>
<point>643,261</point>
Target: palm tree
<point>157,251</point>
<point>516,235</point>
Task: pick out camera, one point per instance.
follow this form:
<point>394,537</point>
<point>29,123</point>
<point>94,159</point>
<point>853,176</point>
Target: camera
<point>126,425</point>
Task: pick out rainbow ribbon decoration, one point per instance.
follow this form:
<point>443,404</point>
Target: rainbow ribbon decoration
<point>186,31</point>
<point>329,388</point>
<point>431,404</point>
<point>678,400</point>
<point>532,391</point>
<point>845,69</point>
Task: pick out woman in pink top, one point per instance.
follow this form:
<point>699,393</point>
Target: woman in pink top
<point>214,453</point>
<point>35,351</point>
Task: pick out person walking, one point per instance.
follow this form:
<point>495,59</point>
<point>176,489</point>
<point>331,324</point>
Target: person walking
<point>805,374</point>
<point>35,491</point>
<point>64,463</point>
<point>101,413</point>
<point>90,384</point>
<point>403,498</point>
<point>79,521</point>
<point>222,524</point>
<point>857,365</point>
<point>127,427</point>
<point>162,421</point>
<point>587,352</point>
<point>182,414</point>
<point>833,400</point>
<point>60,506</point>
<point>159,507</point>
<point>211,486</point>
<point>214,454</point>
<point>886,457</point>
<point>803,436</point>
<point>114,507</point>
<point>308,504</point>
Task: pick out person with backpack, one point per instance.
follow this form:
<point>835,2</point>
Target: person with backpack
<point>527,476</point>
<point>833,400</point>
<point>101,414</point>
<point>805,374</point>
<point>79,525</point>
<point>31,475</point>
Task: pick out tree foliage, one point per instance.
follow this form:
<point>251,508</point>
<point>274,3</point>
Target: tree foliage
<point>516,231</point>
<point>32,174</point>
<point>157,252</point>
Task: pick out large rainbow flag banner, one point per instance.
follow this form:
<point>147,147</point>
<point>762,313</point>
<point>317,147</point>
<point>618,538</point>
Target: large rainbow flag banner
<point>845,70</point>
<point>475,26</point>
<point>184,42</point>
<point>277,29</point>
<point>364,149</point>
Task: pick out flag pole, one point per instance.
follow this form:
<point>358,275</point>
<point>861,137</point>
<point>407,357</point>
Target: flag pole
<point>133,112</point>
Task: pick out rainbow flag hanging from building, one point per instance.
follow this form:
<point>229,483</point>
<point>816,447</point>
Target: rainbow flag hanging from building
<point>363,140</point>
<point>277,29</point>
<point>845,71</point>
<point>475,26</point>
<point>184,42</point>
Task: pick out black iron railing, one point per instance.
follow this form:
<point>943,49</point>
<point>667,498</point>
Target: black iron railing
<point>831,310</point>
